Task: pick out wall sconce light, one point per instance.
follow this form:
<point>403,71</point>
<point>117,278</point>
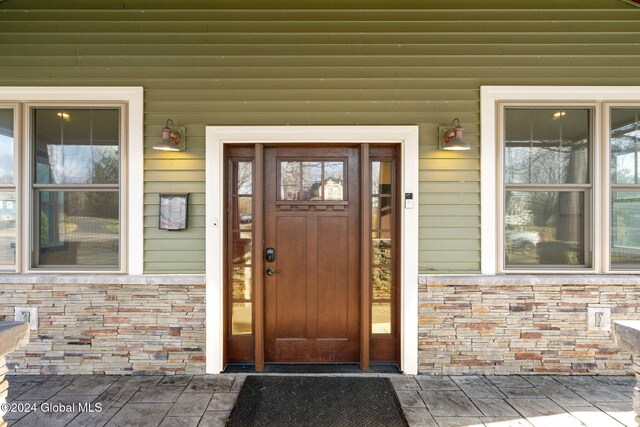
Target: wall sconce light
<point>172,138</point>
<point>451,137</point>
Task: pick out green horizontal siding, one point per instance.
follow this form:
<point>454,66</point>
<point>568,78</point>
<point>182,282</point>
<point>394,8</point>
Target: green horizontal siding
<point>335,62</point>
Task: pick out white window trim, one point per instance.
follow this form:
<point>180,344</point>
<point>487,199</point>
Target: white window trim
<point>218,136</point>
<point>133,225</point>
<point>490,97</point>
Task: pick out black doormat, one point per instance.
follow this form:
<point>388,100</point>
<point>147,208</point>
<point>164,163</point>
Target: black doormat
<point>312,368</point>
<point>316,401</point>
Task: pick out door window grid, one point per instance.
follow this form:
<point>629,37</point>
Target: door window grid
<point>313,180</point>
<point>241,247</point>
<point>381,246</point>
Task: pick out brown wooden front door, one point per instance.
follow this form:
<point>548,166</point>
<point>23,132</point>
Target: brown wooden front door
<point>312,287</point>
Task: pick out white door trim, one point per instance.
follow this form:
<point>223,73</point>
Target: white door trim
<point>217,136</point>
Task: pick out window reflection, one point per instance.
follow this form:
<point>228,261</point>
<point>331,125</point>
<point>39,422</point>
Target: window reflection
<point>625,229</point>
<point>625,146</point>
<point>311,180</point>
<point>241,318</point>
<point>243,177</point>
<point>544,228</point>
<point>79,228</point>
<point>77,146</point>
<point>380,177</point>
<point>381,318</point>
<point>6,146</point>
<point>7,227</point>
<point>546,146</point>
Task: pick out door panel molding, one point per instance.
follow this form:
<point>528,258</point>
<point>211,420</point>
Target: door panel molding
<point>218,136</point>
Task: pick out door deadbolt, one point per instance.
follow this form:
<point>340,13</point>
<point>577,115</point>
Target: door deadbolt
<point>270,254</point>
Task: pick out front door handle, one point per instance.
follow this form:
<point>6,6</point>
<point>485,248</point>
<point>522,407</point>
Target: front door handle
<point>271,271</point>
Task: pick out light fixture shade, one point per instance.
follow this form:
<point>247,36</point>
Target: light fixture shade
<point>166,145</point>
<point>172,138</point>
<point>452,138</point>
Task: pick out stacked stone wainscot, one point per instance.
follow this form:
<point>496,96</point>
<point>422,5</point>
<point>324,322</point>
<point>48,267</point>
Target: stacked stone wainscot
<point>109,324</point>
<point>13,335</point>
<point>523,324</point>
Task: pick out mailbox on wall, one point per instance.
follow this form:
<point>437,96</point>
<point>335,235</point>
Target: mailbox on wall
<point>173,211</point>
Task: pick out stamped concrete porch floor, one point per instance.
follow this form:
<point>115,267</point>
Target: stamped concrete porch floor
<point>496,401</point>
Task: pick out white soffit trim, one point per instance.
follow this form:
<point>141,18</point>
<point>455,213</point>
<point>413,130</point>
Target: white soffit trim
<point>490,96</point>
<point>217,136</point>
<point>133,96</point>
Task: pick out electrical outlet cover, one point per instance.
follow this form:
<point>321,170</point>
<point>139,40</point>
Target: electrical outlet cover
<point>599,319</point>
<point>27,314</point>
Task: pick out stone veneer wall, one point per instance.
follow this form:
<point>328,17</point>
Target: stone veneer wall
<point>522,324</point>
<point>109,324</point>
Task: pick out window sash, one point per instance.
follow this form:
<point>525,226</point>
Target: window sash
<point>36,189</point>
<point>13,187</point>
<point>584,188</point>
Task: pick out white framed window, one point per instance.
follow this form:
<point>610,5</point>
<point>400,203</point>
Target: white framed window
<point>77,167</point>
<point>9,182</point>
<point>560,179</point>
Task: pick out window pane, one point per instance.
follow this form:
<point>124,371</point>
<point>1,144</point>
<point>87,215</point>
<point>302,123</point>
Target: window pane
<point>544,228</point>
<point>625,229</point>
<point>381,213</point>
<point>380,177</point>
<point>333,180</point>
<point>77,146</point>
<point>546,146</point>
<point>241,248</point>
<point>6,147</point>
<point>241,318</point>
<point>289,180</point>
<point>7,228</point>
<point>381,283</point>
<point>79,228</point>
<point>244,177</point>
<point>241,279</point>
<point>381,318</point>
<point>625,146</point>
<point>312,180</point>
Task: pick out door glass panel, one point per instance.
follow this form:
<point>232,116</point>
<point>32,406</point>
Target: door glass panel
<point>381,213</point>
<point>380,177</point>
<point>381,283</point>
<point>546,146</point>
<point>244,216</point>
<point>312,180</point>
<point>7,228</point>
<point>544,228</point>
<point>381,248</point>
<point>241,315</point>
<point>625,229</point>
<point>244,177</point>
<point>381,318</point>
<point>333,181</point>
<point>6,147</point>
<point>241,248</point>
<point>290,180</point>
<point>241,279</point>
<point>625,146</point>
